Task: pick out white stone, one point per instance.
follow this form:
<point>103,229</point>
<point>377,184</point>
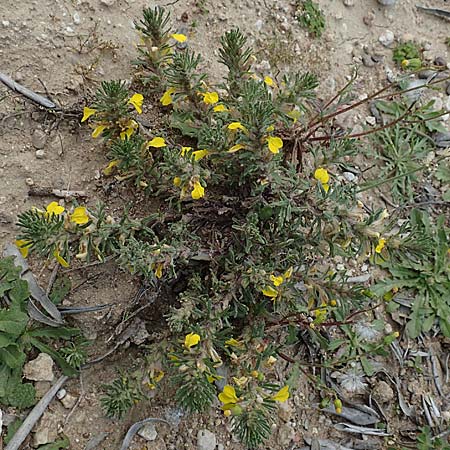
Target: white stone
<point>61,394</point>
<point>259,24</point>
<point>69,401</point>
<point>349,176</point>
<point>29,181</point>
<point>40,154</point>
<point>371,120</point>
<point>107,2</point>
<point>349,2</point>
<point>39,369</point>
<point>206,440</point>
<point>387,2</point>
<point>76,18</point>
<point>148,432</point>
<point>387,38</point>
<point>5,23</point>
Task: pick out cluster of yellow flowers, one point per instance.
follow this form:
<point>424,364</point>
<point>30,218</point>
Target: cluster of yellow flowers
<point>79,216</point>
<point>275,291</point>
<point>127,126</point>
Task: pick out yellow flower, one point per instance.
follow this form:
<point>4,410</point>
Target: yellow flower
<point>269,81</point>
<point>60,259</point>
<point>179,37</point>
<point>381,244</point>
<point>333,302</point>
<point>234,343</point>
<point>54,208</point>
<point>185,150</point>
<point>227,413</point>
<point>88,112</point>
<point>166,98</point>
<point>191,339</point>
<point>321,175</point>
<point>275,144</point>
<point>228,395</point>
<point>270,361</point>
<point>199,154</point>
<point>23,246</point>
<point>158,377</point>
<point>128,130</point>
<point>210,98</point>
<point>198,191</point>
<point>270,128</point>
<point>269,291</point>
<point>98,130</point>
<point>110,167</point>
<point>176,181</point>
<point>158,270</point>
<point>326,187</point>
<point>157,142</point>
<point>220,108</point>
<point>236,126</point>
<point>282,395</point>
<point>338,406</point>
<point>276,280</point>
<point>236,148</point>
<point>288,273</point>
<point>136,100</point>
<point>79,216</point>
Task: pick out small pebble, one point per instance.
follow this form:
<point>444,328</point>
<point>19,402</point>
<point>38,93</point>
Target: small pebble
<point>387,38</point>
<point>38,139</point>
<point>40,154</point>
<point>387,2</point>
<point>29,181</point>
<point>349,176</point>
<point>440,61</point>
<point>148,432</point>
<point>76,18</point>
<point>371,120</point>
<point>349,2</point>
<point>5,23</point>
<point>61,394</point>
<point>69,401</point>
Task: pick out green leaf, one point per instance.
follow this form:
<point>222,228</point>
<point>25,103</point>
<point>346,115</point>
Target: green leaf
<point>57,445</point>
<point>12,428</point>
<point>62,363</point>
<point>12,356</point>
<point>367,366</point>
<point>60,289</point>
<point>21,395</point>
<point>20,292</point>
<point>446,196</point>
<point>54,333</point>
<point>5,373</point>
<point>443,172</point>
<point>13,321</point>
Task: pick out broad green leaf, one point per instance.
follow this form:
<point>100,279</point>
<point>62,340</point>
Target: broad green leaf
<point>54,333</point>
<point>367,366</point>
<point>19,293</point>
<point>12,428</point>
<point>443,172</point>
<point>12,356</point>
<point>5,373</point>
<point>21,395</point>
<point>13,321</point>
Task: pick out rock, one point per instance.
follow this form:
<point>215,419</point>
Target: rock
<point>76,18</point>
<point>368,20</point>
<point>206,440</point>
<point>5,23</point>
<point>29,181</point>
<point>39,369</point>
<point>349,2</point>
<point>382,392</point>
<point>41,388</point>
<point>40,154</point>
<point>440,61</point>
<point>387,38</point>
<point>107,2</point>
<point>61,394</point>
<point>368,61</point>
<point>46,430</point>
<point>285,435</point>
<point>350,177</point>
<point>148,432</point>
<point>285,411</point>
<point>427,55</point>
<point>387,2</point>
<point>38,139</point>
<point>371,120</point>
<point>259,24</point>
<point>69,401</point>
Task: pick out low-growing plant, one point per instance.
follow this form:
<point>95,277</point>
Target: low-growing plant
<point>310,16</point>
<point>407,55</point>
<point>247,217</point>
<point>18,336</point>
